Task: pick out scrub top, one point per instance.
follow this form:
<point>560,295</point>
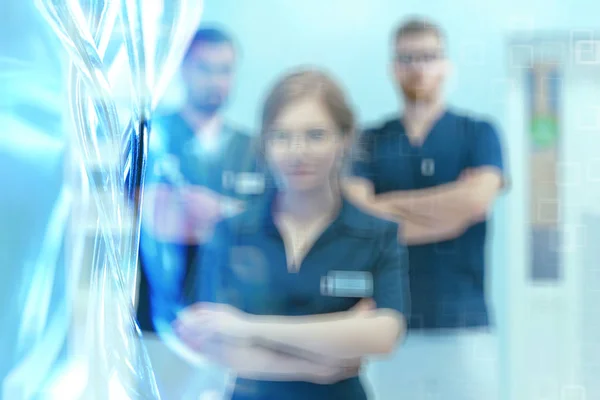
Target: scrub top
<point>357,256</point>
<point>228,166</point>
<point>447,278</point>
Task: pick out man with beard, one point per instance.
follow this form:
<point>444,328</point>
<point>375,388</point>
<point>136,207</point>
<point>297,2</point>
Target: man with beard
<point>200,169</point>
<point>437,172</point>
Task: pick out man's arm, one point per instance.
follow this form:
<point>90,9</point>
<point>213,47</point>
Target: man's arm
<point>432,215</point>
<point>442,212</point>
<point>466,200</point>
<point>469,199</point>
<point>412,233</point>
<point>361,192</point>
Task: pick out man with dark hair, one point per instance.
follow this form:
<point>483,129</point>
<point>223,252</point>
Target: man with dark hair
<point>437,172</point>
<point>200,170</point>
<point>207,70</point>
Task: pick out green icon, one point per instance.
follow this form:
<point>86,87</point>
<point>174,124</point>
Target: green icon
<point>544,131</point>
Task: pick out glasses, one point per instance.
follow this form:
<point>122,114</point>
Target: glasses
<point>313,139</point>
<point>211,69</point>
<point>423,58</point>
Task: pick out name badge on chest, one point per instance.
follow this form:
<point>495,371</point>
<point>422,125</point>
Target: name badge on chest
<point>244,183</point>
<point>427,167</point>
<point>347,284</point>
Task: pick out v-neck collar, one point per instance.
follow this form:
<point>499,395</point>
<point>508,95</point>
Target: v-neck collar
<point>432,130</point>
<point>220,133</point>
<point>349,219</point>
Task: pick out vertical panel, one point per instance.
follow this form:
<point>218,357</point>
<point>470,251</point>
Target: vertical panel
<point>543,82</point>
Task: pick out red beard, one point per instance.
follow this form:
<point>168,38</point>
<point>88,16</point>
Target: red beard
<point>413,93</point>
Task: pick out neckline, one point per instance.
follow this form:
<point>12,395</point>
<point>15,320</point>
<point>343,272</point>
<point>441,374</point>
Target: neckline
<point>196,144</point>
<point>426,137</point>
<point>349,218</point>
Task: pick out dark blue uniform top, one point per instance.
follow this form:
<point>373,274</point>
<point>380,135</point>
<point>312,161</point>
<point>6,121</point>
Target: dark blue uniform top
<point>447,278</point>
<point>357,256</point>
<point>221,168</point>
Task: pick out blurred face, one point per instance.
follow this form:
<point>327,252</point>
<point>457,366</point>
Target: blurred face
<point>420,66</point>
<point>208,75</point>
<point>304,147</point>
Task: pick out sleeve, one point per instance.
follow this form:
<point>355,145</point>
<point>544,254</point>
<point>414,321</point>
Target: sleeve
<point>363,156</point>
<point>486,150</point>
<point>391,282</point>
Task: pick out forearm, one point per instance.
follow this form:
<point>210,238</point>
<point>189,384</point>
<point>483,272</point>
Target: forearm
<point>412,233</point>
<point>361,192</point>
<point>258,363</point>
<point>341,337</point>
<point>385,208</point>
<point>441,204</point>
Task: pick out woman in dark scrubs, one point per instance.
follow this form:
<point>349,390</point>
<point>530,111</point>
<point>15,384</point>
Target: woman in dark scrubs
<point>301,286</point>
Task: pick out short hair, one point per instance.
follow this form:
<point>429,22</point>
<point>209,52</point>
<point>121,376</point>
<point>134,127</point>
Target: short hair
<point>418,26</point>
<point>211,36</point>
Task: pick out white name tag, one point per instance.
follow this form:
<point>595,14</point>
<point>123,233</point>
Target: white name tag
<point>347,284</point>
<point>249,183</point>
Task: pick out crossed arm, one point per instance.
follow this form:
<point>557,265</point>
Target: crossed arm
<point>435,214</point>
<point>299,346</point>
<point>261,363</point>
<point>317,349</point>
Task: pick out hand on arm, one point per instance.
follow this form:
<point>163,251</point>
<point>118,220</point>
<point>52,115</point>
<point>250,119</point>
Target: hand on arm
<point>335,341</point>
<point>259,363</point>
<point>343,337</point>
<point>233,349</point>
<point>185,215</point>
